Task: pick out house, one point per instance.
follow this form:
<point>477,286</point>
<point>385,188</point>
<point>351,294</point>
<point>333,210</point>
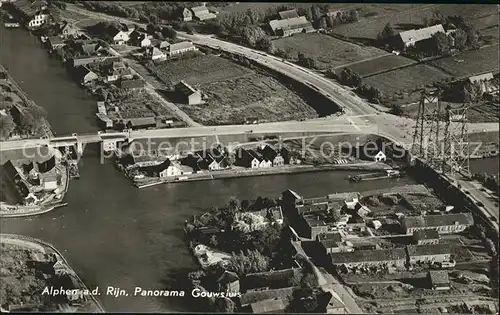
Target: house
<point>211,160</point>
<point>201,13</point>
<point>34,13</point>
<point>118,37</point>
<point>430,253</point>
<point>186,15</point>
<point>176,169</point>
<point>270,154</point>
<point>139,39</point>
<point>270,215</point>
<point>187,93</point>
<point>59,268</point>
<point>288,14</point>
<point>330,242</point>
<point>271,306</point>
<point>331,303</point>
<point>444,223</point>
<point>140,122</point>
<point>485,82</point>
<point>251,159</point>
<point>84,75</point>
<point>438,279</point>
<point>314,226</point>
<point>426,236</point>
<point>180,48</point>
<point>394,257</point>
<point>55,42</point>
<point>89,49</point>
<point>380,157</point>
<point>132,84</point>
<point>156,54</point>
<point>49,180</point>
<point>411,37</point>
<point>291,26</point>
<point>229,282</point>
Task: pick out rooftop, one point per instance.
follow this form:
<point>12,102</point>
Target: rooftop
<point>428,249</point>
<point>369,255</point>
<point>430,221</point>
<point>290,23</point>
<point>481,77</point>
<point>257,296</point>
<point>180,46</point>
<point>288,14</point>
<point>268,306</point>
<point>420,34</point>
<point>274,279</point>
<point>439,277</point>
<point>426,234</point>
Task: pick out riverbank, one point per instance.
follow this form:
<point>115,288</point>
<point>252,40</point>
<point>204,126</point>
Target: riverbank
<point>36,245</point>
<point>16,101</point>
<point>278,170</point>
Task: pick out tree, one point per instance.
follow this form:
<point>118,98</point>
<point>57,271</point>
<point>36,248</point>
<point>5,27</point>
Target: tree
<point>266,239</point>
<point>386,34</point>
<point>442,42</point>
<point>460,37</point>
<point>225,305</point>
<point>322,23</point>
<point>472,35</point>
<point>472,92</point>
<point>437,18</point>
<point>249,262</point>
<point>169,32</point>
<point>397,109</point>
<point>490,245</point>
<point>315,13</point>
<point>307,62</point>
<point>305,300</point>
<point>353,15</point>
<point>7,126</point>
<point>330,21</point>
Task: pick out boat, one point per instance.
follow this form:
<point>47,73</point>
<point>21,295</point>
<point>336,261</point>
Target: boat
<point>11,25</point>
<point>373,176</point>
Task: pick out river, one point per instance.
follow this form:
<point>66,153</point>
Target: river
<point>112,233</point>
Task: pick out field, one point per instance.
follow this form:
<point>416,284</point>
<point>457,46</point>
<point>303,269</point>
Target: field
<point>328,51</point>
<point>474,62</point>
<point>405,80</point>
<point>385,63</point>
<point>230,101</point>
<point>142,104</point>
<point>233,92</point>
<point>491,32</point>
<point>199,70</point>
<point>265,6</point>
<point>408,17</point>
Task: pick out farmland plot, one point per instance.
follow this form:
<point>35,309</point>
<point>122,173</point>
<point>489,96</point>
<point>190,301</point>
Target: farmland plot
<point>328,51</point>
<point>199,70</point>
<point>406,79</point>
<point>384,63</point>
<point>230,101</point>
<point>368,28</point>
<point>471,62</point>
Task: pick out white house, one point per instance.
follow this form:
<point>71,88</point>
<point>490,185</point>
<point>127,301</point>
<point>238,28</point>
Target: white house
<point>38,19</point>
<point>118,37</point>
<point>157,54</point>
<point>380,157</point>
<point>176,170</point>
<point>180,48</point>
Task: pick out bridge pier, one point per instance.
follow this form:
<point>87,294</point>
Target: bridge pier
<point>79,148</point>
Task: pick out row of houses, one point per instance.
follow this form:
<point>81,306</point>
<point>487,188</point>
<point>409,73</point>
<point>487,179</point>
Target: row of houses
<point>264,156</point>
<point>32,13</point>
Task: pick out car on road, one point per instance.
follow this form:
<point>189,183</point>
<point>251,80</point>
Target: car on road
<point>492,218</point>
<point>479,203</point>
<point>482,189</point>
<point>467,192</point>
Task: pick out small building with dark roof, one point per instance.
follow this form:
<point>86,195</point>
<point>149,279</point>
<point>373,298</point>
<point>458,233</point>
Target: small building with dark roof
<point>330,242</point>
<point>187,93</point>
<point>438,280</point>
<point>140,122</point>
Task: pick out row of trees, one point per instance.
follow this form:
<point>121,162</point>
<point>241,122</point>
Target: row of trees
<point>351,78</point>
<point>490,181</point>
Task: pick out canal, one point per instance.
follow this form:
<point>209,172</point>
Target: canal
<point>112,233</point>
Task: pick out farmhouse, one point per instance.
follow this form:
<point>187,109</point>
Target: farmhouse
<point>186,15</point>
<point>395,257</point>
<point>187,93</point>
<point>412,37</point>
<point>201,13</point>
<point>430,253</point>
<point>291,26</point>
<point>180,48</point>
<point>139,39</point>
<point>176,169</point>
<point>84,75</point>
<point>444,224</point>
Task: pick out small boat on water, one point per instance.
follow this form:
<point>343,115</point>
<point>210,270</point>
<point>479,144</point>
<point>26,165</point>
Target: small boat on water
<point>373,176</point>
<point>11,25</point>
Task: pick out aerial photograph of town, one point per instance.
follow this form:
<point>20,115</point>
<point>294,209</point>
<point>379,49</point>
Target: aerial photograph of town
<point>249,157</point>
